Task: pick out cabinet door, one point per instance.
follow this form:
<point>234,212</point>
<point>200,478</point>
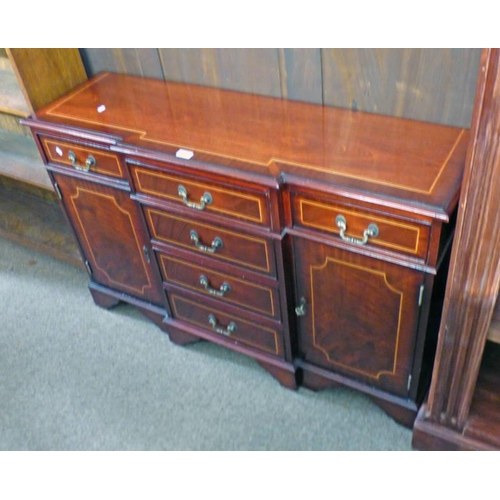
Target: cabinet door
<point>107,225</point>
<point>360,315</point>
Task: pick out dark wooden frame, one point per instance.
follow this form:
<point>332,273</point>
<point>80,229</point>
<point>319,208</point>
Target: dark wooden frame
<point>463,407</point>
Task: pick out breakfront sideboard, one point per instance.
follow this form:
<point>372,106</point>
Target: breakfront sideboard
<point>313,239</point>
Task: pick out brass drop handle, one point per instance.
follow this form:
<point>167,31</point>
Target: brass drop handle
<point>205,200</point>
<point>89,162</point>
<point>300,310</point>
<point>216,243</point>
<point>370,232</point>
<point>223,289</point>
<point>231,328</point>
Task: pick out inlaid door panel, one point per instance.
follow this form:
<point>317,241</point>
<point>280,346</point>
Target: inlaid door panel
<point>357,316</point>
<point>107,226</point>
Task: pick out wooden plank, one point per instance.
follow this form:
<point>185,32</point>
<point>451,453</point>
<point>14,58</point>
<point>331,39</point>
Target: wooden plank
<point>246,70</point>
<point>12,99</point>
<point>140,62</point>
<point>436,85</point>
<point>197,66</point>
<point>300,72</point>
<point>46,74</point>
<point>19,159</point>
<point>188,65</point>
<point>10,123</point>
<point>250,70</point>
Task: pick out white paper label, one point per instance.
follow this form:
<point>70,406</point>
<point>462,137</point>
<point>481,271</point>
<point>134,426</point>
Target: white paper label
<point>101,108</point>
<point>185,154</point>
<point>59,151</point>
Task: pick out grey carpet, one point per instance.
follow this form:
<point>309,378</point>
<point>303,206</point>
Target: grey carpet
<point>77,377</point>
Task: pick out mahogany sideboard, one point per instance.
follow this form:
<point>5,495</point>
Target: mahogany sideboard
<point>314,240</point>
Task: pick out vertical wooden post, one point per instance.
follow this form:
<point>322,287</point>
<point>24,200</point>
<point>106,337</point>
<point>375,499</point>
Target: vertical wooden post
<point>474,277</point>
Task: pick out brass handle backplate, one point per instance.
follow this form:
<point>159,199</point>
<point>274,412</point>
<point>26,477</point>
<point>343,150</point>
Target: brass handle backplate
<point>205,200</point>
<point>216,243</point>
<point>370,232</point>
<point>89,162</point>
<point>223,289</point>
<point>231,328</point>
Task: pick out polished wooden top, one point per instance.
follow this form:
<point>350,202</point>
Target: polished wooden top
<point>395,158</point>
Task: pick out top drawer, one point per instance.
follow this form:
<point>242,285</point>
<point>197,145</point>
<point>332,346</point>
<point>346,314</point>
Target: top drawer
<point>81,158</point>
<point>204,195</point>
<point>359,226</point>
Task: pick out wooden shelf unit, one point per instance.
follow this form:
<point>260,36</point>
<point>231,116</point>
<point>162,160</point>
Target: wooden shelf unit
<point>12,100</point>
<point>29,211</point>
<point>463,407</point>
<point>30,79</point>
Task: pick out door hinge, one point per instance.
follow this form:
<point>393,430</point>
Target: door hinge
<point>57,190</point>
<point>87,265</point>
<point>409,383</point>
<point>421,295</point>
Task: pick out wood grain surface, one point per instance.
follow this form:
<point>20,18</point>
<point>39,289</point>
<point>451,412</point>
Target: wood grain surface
<point>419,161</point>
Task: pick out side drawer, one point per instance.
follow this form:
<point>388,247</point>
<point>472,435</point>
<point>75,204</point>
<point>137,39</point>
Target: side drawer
<point>357,226</point>
<point>235,328</point>
<point>199,194</point>
<point>243,293</point>
<point>252,252</point>
<point>82,158</point>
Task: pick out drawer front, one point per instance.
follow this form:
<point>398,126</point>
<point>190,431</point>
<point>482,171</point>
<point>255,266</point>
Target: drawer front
<point>360,227</point>
<point>203,195</point>
<point>251,252</point>
<point>81,158</point>
<point>232,327</point>
<point>224,287</point>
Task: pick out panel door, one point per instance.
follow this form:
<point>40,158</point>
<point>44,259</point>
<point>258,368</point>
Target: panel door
<point>107,225</point>
<point>359,316</point>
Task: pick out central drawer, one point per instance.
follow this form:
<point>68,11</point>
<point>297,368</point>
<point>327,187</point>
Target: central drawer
<point>252,252</point>
<point>225,287</point>
<point>233,327</point>
<point>204,195</point>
